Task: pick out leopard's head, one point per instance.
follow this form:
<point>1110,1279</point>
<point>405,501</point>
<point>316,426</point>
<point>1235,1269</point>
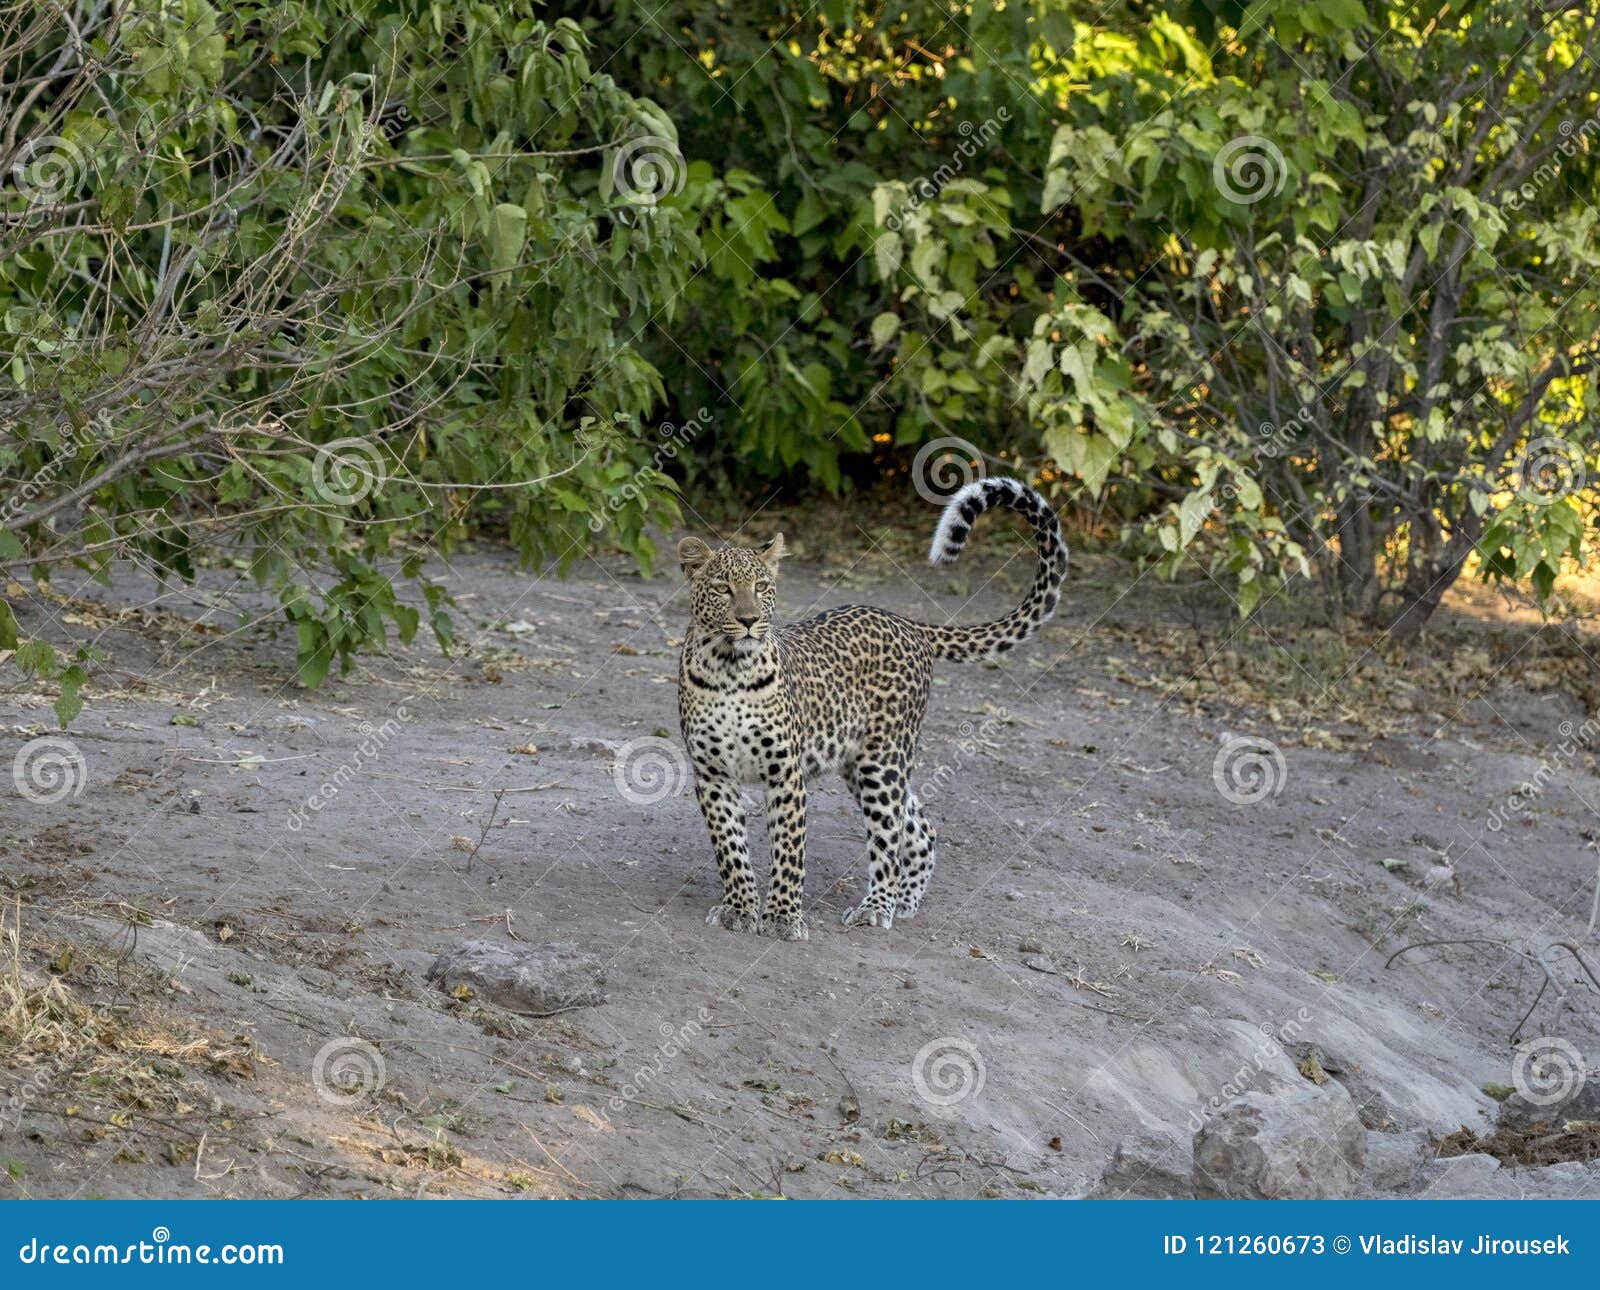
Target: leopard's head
<point>733,591</point>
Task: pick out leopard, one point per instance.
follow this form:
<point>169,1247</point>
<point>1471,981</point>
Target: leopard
<point>774,706</point>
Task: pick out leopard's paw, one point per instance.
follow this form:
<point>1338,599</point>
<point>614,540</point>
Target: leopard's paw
<point>906,908</point>
<point>733,918</point>
<point>866,914</point>
<point>786,927</point>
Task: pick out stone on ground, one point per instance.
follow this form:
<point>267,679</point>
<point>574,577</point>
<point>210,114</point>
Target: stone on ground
<point>534,980</point>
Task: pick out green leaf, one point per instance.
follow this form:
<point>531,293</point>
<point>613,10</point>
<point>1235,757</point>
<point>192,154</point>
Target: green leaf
<point>36,658</point>
<point>508,231</point>
<point>808,215</point>
<point>1098,457</point>
<point>886,253</point>
<point>1192,513</point>
<point>69,703</point>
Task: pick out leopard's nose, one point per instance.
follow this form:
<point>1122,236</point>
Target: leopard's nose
<point>750,621</point>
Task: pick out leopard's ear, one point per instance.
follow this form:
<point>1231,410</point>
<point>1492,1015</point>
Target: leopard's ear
<point>692,555</point>
<point>774,551</point>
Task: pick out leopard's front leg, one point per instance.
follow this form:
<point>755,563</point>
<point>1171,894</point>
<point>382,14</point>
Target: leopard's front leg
<point>740,908</point>
<point>786,825</point>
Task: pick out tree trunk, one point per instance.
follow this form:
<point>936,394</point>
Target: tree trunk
<point>1356,555</point>
<point>1425,585</point>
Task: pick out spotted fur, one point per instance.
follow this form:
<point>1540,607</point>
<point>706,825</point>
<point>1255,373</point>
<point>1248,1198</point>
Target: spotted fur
<point>845,690</point>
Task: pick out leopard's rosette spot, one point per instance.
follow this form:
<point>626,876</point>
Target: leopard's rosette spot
<point>947,1071</point>
<point>943,467</point>
<point>1548,1071</point>
<point>650,770</point>
<point>648,169</point>
<point>346,1071</point>
<point>1548,470</point>
<point>47,169</point>
<point>1248,770</point>
<point>347,471</point>
<point>1248,169</point>
<point>49,769</point>
<point>842,691</point>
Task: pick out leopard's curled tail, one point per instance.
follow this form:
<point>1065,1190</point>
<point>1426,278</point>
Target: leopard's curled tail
<point>985,640</point>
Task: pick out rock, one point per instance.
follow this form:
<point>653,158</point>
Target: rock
<point>535,980</point>
<point>592,744</point>
<point>1582,1103</point>
<point>1569,1180</point>
<point>1303,1143</point>
<point>1371,1105</point>
<point>1152,1164</point>
<point>1441,876</point>
<point>1461,1177</point>
<point>1482,1177</point>
<point>1040,963</point>
<point>1029,946</point>
<point>1395,1160</point>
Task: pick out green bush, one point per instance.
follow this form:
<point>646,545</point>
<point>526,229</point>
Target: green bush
<point>1295,290</point>
<point>1304,289</point>
<point>321,282</point>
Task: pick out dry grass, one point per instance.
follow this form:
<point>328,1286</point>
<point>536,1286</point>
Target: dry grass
<point>1342,682</point>
<point>1537,1144</point>
<point>65,1057</point>
<point>40,1022</point>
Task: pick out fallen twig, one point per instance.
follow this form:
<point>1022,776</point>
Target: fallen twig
<point>484,833</point>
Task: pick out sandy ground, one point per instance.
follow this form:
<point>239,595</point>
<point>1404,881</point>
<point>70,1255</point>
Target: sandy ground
<point>1109,940</point>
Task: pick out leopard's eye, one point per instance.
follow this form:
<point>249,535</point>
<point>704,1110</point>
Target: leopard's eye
<point>763,586</point>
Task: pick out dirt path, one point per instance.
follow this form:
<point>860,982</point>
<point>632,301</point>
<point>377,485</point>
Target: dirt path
<point>1107,941</point>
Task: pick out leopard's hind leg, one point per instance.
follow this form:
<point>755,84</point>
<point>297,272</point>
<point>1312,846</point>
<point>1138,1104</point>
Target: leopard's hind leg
<point>916,857</point>
<point>878,782</point>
